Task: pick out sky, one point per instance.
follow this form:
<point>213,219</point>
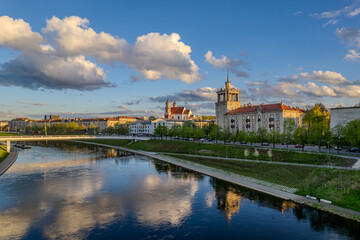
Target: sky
<point>110,58</point>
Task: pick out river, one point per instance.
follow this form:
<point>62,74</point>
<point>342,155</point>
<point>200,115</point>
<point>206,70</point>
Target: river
<point>66,191</point>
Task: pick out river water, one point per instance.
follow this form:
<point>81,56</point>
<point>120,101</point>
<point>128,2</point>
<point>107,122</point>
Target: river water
<point>67,191</point>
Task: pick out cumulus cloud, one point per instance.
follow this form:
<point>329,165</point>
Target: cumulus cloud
<point>60,58</point>
<point>154,55</point>
<point>329,77</point>
<point>17,34</point>
<point>350,35</point>
<point>233,65</point>
<point>49,71</point>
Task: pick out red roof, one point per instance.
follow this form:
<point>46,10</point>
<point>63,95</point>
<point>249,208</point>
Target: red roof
<point>177,110</point>
<point>186,111</point>
<point>264,107</point>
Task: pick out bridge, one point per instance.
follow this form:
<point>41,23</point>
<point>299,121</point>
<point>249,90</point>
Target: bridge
<point>9,139</point>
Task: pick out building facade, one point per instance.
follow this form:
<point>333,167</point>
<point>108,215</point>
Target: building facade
<point>231,114</point>
<point>177,113</point>
<point>343,115</point>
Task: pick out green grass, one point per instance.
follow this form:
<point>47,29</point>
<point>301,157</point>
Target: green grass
<point>3,153</point>
<point>231,151</point>
<point>342,187</point>
<point>8,134</point>
<point>112,142</point>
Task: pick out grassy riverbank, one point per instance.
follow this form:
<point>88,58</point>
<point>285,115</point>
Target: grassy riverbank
<point>342,187</point>
<point>8,134</point>
<point>231,151</point>
<point>3,153</point>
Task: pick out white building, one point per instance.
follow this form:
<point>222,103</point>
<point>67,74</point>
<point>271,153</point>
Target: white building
<point>147,127</point>
<point>343,115</point>
<point>177,113</point>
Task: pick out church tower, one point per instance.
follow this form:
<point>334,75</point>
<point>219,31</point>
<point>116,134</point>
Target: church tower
<point>227,99</point>
<point>167,110</point>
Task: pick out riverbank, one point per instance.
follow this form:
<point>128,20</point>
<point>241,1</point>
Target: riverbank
<point>8,162</point>
<point>278,190</point>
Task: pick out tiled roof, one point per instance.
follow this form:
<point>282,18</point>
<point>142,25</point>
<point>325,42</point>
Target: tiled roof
<point>177,110</point>
<point>186,111</point>
<point>264,107</point>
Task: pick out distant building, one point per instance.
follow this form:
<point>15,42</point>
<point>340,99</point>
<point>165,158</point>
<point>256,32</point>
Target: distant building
<point>343,115</point>
<point>230,113</point>
<point>18,124</point>
<point>3,124</point>
<point>147,127</point>
<point>177,113</point>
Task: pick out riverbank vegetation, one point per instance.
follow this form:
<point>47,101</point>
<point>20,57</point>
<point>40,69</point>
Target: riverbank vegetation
<point>2,134</point>
<point>3,153</point>
<point>236,151</point>
<point>342,187</point>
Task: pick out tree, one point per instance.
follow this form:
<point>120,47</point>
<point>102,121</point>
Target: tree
<point>199,132</point>
<point>273,137</point>
<point>175,131</point>
<point>252,138</point>
<point>316,114</point>
<point>122,129</point>
<point>300,136</point>
<point>215,132</point>
<point>262,134</point>
<point>352,133</point>
<point>226,134</point>
<point>93,129</point>
<point>161,131</point>
<point>82,128</point>
<point>319,134</point>
<point>338,136</point>
<point>241,136</point>
<point>289,129</point>
<point>72,127</point>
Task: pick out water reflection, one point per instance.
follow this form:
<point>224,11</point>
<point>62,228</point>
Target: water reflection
<point>63,191</point>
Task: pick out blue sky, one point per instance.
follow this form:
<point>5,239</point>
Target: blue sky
<point>81,58</point>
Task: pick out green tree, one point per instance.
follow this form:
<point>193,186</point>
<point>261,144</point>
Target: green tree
<point>319,134</point>
<point>215,132</point>
<point>199,132</point>
<point>289,129</point>
<point>252,138</point>
<point>352,133</point>
<point>226,134</point>
<point>175,131</point>
<point>273,137</point>
<point>262,134</point>
<point>152,118</point>
<point>72,127</point>
<point>301,136</point>
<point>161,131</point>
<point>241,136</point>
<point>122,129</point>
<point>338,136</point>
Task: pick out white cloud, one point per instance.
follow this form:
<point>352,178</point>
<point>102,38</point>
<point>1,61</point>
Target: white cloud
<point>33,104</point>
<point>225,63</point>
<point>325,77</point>
<point>73,37</point>
<point>351,91</point>
<point>64,65</point>
<point>354,13</point>
<point>17,34</point>
<point>352,55</point>
<point>154,55</point>
<point>315,90</point>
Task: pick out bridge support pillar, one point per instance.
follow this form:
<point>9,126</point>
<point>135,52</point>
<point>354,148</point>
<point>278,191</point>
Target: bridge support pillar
<point>8,145</point>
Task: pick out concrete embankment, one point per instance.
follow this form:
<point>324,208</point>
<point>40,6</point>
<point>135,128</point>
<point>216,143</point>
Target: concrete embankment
<point>275,190</point>
<point>6,164</point>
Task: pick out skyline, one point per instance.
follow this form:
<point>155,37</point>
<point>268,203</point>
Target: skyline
<point>119,58</point>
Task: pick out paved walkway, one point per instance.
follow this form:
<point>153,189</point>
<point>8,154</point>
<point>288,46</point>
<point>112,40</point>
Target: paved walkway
<point>276,190</point>
<point>6,164</point>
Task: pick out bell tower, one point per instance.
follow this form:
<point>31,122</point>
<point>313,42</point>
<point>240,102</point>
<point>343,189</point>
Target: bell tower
<point>227,100</point>
<point>167,110</point>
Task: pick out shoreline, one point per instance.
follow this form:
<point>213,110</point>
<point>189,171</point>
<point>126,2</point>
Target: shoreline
<point>8,162</point>
<point>239,180</point>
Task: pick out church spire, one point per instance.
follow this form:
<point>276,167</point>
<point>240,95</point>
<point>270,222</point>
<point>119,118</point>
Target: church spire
<point>227,76</point>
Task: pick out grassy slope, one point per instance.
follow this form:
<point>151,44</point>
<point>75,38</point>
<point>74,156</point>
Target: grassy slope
<point>113,142</point>
<point>8,134</point>
<point>342,187</point>
<point>3,153</point>
<point>220,150</point>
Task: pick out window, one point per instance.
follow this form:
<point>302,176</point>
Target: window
<point>253,117</point>
<point>277,116</point>
<point>178,117</point>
